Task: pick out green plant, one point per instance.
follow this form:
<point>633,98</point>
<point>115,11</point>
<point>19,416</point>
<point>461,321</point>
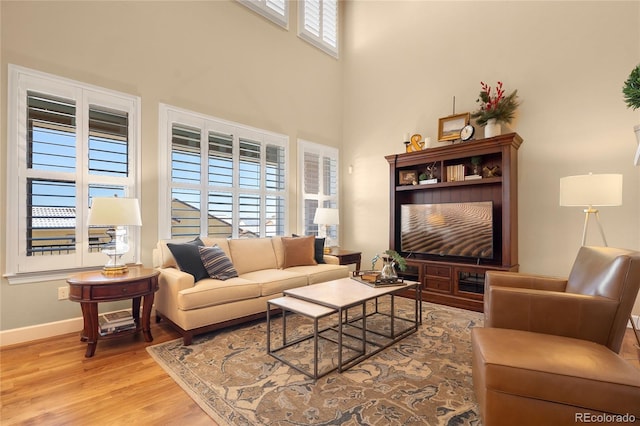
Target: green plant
<point>400,261</point>
<point>631,89</point>
<point>498,106</point>
<point>476,160</point>
<point>394,255</point>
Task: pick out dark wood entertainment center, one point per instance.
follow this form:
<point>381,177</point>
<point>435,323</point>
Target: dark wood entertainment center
<point>459,281</point>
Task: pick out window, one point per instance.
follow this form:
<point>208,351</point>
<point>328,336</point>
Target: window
<point>69,142</point>
<point>223,179</point>
<point>319,184</point>
<point>318,24</point>
<point>276,11</point>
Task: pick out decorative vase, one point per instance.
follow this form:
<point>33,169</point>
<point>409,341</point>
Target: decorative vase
<point>493,128</point>
<point>388,272</point>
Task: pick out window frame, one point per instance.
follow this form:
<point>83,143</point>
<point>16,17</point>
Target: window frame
<point>305,146</point>
<point>318,40</point>
<point>170,115</point>
<point>261,8</point>
<point>20,267</point>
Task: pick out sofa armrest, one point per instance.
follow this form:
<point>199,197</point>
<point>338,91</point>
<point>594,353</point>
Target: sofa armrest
<point>333,260</point>
<point>170,282</point>
<point>550,312</point>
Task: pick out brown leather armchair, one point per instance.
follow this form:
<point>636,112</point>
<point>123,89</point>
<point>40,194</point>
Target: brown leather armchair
<point>594,303</point>
<point>548,351</point>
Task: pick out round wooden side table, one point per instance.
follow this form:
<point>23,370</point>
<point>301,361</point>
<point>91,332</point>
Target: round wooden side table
<point>91,288</point>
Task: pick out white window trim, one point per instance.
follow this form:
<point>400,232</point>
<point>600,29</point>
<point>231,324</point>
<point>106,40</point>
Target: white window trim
<point>168,115</point>
<point>19,269</point>
<point>314,40</point>
<point>261,8</point>
<point>321,150</point>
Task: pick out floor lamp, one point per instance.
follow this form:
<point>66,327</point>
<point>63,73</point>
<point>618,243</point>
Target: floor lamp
<point>589,191</point>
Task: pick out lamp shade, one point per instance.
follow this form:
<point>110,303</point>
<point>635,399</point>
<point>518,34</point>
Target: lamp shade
<point>326,216</point>
<point>114,211</point>
<point>591,190</point>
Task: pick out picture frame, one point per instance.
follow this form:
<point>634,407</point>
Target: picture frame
<point>449,127</point>
<point>407,177</point>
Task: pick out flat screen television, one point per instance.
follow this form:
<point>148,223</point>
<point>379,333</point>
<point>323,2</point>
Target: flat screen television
<point>448,229</point>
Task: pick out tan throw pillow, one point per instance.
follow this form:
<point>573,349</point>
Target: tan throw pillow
<point>298,251</point>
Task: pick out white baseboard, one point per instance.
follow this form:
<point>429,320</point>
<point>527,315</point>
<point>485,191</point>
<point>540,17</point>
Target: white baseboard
<point>40,331</point>
<point>51,329</point>
<point>43,331</point>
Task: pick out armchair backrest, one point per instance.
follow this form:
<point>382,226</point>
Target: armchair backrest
<point>612,273</point>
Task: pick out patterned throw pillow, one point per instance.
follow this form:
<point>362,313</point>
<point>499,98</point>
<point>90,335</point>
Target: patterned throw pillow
<point>217,263</point>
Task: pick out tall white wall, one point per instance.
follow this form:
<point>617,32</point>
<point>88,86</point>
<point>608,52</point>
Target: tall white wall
<point>407,59</point>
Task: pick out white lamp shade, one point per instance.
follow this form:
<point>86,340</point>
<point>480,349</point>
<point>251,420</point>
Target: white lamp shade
<point>591,190</point>
<point>114,211</point>
<point>326,216</point>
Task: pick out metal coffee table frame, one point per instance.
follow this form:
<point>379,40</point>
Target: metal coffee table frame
<point>339,296</point>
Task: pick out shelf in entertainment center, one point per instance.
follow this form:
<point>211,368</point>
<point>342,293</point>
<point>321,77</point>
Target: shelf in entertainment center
<point>452,280</point>
<point>483,181</point>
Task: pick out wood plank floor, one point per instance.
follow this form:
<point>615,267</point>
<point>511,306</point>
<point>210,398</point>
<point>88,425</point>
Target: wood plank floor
<point>50,382</point>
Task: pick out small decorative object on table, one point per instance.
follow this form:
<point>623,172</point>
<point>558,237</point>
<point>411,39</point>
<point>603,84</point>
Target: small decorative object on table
<point>495,108</point>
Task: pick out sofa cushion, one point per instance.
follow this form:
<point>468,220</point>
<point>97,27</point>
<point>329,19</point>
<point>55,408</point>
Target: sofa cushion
<point>188,258</point>
<point>252,254</point>
<point>562,370</point>
<point>321,273</point>
<point>223,243</point>
<point>211,292</point>
<point>275,281</point>
<point>217,263</point>
<point>298,251</point>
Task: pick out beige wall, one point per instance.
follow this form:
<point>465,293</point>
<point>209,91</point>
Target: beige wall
<point>402,63</point>
<point>213,57</point>
<point>406,60</point>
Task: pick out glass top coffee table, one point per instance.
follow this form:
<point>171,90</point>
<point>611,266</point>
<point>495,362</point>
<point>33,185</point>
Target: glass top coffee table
<point>373,328</point>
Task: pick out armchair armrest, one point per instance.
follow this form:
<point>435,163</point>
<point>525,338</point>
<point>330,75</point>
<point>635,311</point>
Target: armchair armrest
<point>519,280</point>
<point>516,279</point>
<point>551,312</point>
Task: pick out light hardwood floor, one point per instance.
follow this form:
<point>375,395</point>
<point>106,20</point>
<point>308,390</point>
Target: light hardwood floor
<point>50,382</point>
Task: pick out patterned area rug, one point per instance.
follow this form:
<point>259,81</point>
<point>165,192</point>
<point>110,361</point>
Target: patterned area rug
<point>425,379</point>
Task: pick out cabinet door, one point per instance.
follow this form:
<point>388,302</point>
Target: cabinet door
<point>469,282</point>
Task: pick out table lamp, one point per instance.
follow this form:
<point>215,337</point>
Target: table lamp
<point>116,213</point>
<point>589,191</point>
<point>326,217</point>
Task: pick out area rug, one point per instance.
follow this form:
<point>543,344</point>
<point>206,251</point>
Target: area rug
<point>425,379</point>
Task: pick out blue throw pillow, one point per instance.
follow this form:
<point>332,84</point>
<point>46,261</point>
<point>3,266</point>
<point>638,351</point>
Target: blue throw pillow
<point>217,263</point>
<point>188,258</point>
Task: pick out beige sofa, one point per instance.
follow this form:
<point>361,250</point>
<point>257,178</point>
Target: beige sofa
<point>263,273</point>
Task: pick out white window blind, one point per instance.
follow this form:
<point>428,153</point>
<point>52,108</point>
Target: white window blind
<point>319,183</point>
<point>318,24</point>
<point>276,11</point>
<point>223,179</point>
<point>69,143</point>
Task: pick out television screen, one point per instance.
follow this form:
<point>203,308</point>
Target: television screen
<point>448,229</point>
